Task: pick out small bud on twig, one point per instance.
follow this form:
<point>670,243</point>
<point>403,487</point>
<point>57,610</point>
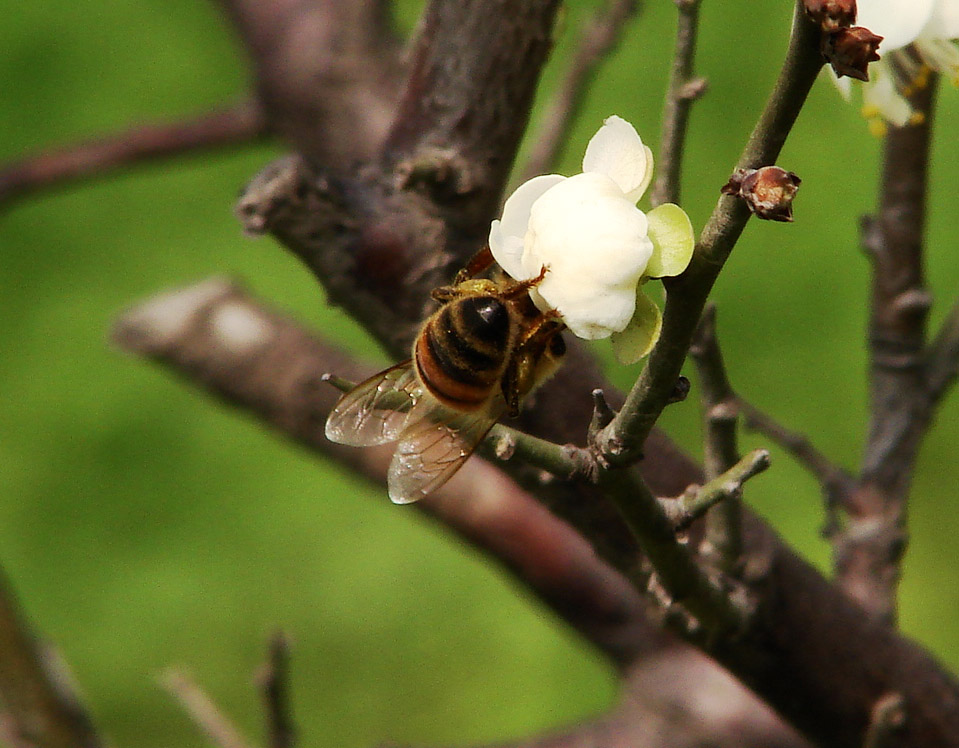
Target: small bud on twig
<point>850,50</point>
<point>768,191</point>
<point>831,14</point>
<point>680,390</point>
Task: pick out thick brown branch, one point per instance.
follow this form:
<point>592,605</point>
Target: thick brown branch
<point>826,682</point>
<point>868,552</point>
<point>328,72</point>
<point>274,370</point>
<point>721,450</point>
<point>231,127</point>
<point>597,41</point>
<point>36,709</point>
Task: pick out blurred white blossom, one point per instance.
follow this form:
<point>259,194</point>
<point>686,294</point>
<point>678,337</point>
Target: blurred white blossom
<point>597,246</point>
<point>931,27</point>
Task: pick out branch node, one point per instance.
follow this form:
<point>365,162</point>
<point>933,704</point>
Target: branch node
<point>602,414</point>
<point>504,445</point>
<point>888,717</point>
<point>693,89</point>
<point>680,391</point>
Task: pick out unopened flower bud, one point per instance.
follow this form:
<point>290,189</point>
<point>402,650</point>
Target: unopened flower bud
<point>831,14</point>
<point>768,191</point>
<point>850,50</point>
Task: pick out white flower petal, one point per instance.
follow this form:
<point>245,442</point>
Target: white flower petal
<point>617,151</point>
<point>506,236</point>
<point>941,55</point>
<point>880,97</point>
<point>671,233</point>
<point>944,21</point>
<point>642,332</point>
<point>594,243</point>
<point>897,22</point>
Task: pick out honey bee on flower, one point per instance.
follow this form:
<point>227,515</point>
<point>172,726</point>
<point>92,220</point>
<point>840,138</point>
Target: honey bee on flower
<point>599,247</point>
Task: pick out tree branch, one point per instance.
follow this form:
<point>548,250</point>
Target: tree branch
<point>836,482</point>
<point>328,73</point>
<point>721,449</point>
<point>869,550</point>
<point>684,89</point>
<point>231,127</point>
<point>36,707</point>
<point>274,372</point>
<point>273,680</point>
<point>792,656</point>
<point>597,41</point>
<point>202,710</point>
<point>697,500</point>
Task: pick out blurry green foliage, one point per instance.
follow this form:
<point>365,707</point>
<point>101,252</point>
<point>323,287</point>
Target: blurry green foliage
<point>145,525</point>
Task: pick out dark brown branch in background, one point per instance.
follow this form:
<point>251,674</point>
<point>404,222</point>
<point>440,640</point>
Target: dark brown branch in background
<point>721,450</point>
<point>327,72</point>
<point>869,550</point>
<point>596,42</point>
<point>37,708</point>
<point>231,127</point>
<point>684,89</point>
<point>274,683</point>
<point>836,482</point>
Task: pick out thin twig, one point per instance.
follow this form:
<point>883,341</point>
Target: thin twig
<point>697,500</point>
<point>273,680</point>
<point>621,442</point>
<point>37,707</point>
<point>721,450</point>
<point>234,126</point>
<point>202,710</point>
<point>598,40</point>
<point>836,482</point>
<point>684,89</point>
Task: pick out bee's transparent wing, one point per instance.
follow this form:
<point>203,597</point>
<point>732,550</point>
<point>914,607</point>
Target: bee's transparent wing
<point>433,448</point>
<point>378,410</point>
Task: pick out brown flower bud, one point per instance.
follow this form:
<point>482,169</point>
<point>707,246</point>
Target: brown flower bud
<point>831,14</point>
<point>850,51</point>
<point>768,191</point>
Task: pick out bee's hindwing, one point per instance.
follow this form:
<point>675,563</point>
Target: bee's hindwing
<point>433,447</point>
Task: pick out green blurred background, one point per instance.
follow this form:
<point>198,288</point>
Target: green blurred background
<point>145,525</point>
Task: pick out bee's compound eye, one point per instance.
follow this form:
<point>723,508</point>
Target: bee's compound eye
<point>486,317</point>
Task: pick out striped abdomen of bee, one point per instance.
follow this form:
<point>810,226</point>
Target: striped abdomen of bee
<point>462,351</point>
<point>475,358</point>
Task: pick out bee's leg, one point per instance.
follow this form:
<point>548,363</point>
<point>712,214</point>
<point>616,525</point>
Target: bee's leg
<point>548,323</point>
<point>477,264</point>
<point>521,287</point>
<point>445,294</point>
<point>516,382</point>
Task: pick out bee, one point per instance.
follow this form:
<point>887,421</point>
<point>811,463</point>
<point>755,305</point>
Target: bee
<point>474,359</point>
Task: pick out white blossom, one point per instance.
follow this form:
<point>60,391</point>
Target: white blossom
<point>597,246</point>
<point>931,26</point>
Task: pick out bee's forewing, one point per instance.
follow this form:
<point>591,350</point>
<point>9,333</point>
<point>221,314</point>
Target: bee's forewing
<point>433,448</point>
<point>378,410</point>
